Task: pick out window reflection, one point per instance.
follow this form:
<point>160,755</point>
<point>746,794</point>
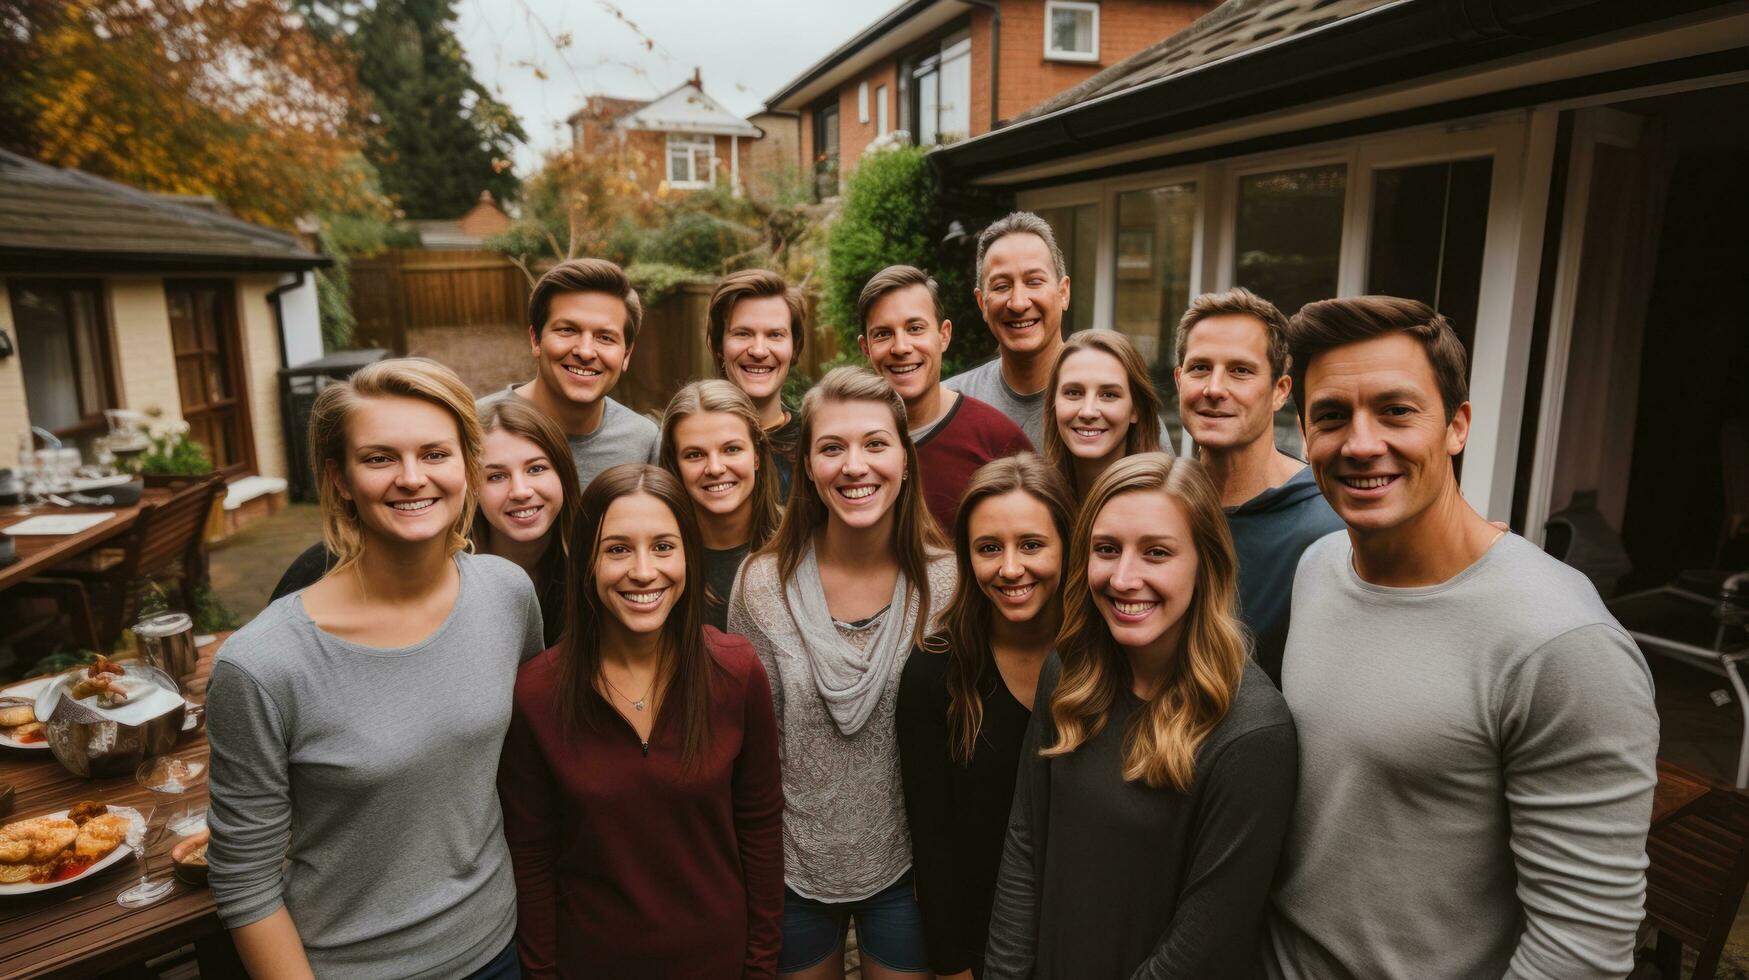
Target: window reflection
<point>1288,234</point>
<point>1156,231</point>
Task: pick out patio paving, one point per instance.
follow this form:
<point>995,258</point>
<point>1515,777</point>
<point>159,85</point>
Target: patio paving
<point>247,565</point>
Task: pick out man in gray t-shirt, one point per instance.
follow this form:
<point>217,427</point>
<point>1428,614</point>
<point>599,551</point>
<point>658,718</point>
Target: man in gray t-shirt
<point>1477,734</point>
<point>583,320</point>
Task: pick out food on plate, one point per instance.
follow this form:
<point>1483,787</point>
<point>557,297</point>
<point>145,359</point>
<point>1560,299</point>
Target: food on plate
<point>110,690</point>
<point>29,734</point>
<point>13,715</point>
<point>49,849</point>
<point>100,835</point>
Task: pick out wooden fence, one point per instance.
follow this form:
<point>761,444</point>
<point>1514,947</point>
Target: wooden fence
<point>467,309</point>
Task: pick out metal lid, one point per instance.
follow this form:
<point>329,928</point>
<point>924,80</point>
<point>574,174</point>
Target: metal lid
<point>164,624</point>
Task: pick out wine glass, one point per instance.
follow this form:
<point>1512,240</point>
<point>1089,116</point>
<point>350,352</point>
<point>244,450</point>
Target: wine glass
<point>169,777</point>
<point>139,839</point>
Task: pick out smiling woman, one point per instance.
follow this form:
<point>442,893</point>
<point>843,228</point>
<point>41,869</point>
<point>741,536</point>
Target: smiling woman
<point>1103,407</point>
<point>528,500</point>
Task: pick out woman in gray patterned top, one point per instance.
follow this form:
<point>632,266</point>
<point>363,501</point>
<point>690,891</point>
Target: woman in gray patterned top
<point>356,724</point>
<point>854,578</point>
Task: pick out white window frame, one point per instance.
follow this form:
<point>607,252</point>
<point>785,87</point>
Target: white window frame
<point>693,144</point>
<point>1075,6</point>
<point>862,102</point>
<point>883,121</point>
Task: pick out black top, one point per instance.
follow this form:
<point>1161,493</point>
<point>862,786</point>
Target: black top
<point>719,578</point>
<point>783,441</point>
<point>958,814</point>
<point>1107,878</point>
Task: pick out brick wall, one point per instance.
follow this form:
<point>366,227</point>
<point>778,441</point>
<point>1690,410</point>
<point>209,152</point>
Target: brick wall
<point>1125,27</point>
<point>773,159</point>
<point>145,356</point>
<point>853,134</point>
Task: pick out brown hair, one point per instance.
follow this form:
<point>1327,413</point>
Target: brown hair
<point>399,377</point>
<point>752,284</point>
<point>1238,301</point>
<point>1020,223</point>
<point>916,537</point>
<point>687,665</point>
<point>1143,435</point>
<point>585,276</point>
<point>519,418</point>
<point>1332,323</point>
<point>717,395</point>
<point>966,622</point>
<point>1163,737</point>
<point>891,279</point>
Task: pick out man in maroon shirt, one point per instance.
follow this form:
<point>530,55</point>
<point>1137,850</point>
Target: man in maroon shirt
<point>903,337</point>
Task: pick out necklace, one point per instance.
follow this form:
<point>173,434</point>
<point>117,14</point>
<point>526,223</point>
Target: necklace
<point>638,703</point>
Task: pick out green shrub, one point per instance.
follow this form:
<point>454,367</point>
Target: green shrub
<point>894,212</point>
<point>654,280</point>
<point>697,240</point>
<point>174,454</point>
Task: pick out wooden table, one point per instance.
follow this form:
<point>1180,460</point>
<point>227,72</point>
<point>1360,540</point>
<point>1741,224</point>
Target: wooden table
<point>39,553</point>
<point>77,929</point>
<point>1677,791</point>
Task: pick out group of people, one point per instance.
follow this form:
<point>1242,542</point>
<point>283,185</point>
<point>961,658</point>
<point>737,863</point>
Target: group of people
<point>976,664</point>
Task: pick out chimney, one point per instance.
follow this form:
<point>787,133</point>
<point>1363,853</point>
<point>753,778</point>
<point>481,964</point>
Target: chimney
<point>697,78</point>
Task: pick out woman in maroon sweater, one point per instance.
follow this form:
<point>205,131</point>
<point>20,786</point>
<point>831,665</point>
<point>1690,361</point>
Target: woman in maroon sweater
<point>642,797</point>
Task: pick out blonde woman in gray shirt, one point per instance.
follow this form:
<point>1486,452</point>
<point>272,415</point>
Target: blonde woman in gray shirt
<point>856,575</point>
<point>356,725</point>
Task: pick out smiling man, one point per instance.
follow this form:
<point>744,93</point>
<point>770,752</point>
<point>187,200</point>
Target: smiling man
<point>1232,378</point>
<point>1477,733</point>
<point>903,337</point>
<point>583,320</point>
<point>755,328</point>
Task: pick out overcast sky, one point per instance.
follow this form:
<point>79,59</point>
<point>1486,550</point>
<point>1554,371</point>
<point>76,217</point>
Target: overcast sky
<point>747,49</point>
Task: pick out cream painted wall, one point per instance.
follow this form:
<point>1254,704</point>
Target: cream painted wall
<point>261,370</point>
<point>145,356</point>
<point>14,416</point>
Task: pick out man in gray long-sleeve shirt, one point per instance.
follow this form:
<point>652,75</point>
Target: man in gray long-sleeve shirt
<point>1477,734</point>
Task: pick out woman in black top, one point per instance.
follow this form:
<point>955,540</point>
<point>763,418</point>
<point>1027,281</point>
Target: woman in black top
<point>712,441</point>
<point>1155,789</point>
<point>966,695</point>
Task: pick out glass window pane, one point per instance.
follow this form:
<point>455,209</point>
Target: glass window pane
<point>1072,30</point>
<point>955,122</point>
<point>1288,234</point>
<point>1428,226</point>
<point>928,108</point>
<point>1077,231</point>
<point>679,164</point>
<point>61,347</point>
<point>1156,231</point>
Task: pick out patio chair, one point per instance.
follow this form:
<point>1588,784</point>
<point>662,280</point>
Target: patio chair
<point>98,589</point>
<point>1699,867</point>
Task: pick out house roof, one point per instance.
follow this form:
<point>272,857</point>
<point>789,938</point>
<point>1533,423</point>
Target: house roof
<point>687,109</point>
<point>1249,58</point>
<point>63,220</point>
<point>910,21</point>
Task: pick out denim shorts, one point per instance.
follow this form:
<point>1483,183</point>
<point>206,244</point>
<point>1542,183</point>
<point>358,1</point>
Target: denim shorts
<point>504,966</point>
<point>889,929</point>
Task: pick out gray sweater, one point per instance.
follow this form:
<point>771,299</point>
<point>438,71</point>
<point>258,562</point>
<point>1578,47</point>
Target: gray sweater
<point>1477,760</point>
<point>623,436</point>
<point>369,774</point>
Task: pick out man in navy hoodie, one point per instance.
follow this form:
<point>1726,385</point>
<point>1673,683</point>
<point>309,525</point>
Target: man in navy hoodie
<point>1232,376</point>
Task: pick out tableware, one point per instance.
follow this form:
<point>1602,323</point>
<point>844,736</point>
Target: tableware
<point>167,642</point>
<point>27,691</point>
<point>191,872</point>
<point>140,839</point>
<point>93,742</point>
<point>107,861</point>
<point>57,524</point>
<point>170,778</point>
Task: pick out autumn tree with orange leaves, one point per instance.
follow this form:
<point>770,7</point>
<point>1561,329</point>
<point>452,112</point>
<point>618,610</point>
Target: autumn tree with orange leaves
<point>235,99</point>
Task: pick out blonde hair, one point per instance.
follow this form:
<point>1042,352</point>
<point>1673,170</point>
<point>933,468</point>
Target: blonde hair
<point>401,377</point>
<point>1161,743</point>
<point>916,536</point>
<point>1144,433</point>
<point>717,395</point>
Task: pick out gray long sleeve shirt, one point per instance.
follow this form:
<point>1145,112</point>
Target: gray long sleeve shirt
<point>369,776</point>
<point>1477,760</point>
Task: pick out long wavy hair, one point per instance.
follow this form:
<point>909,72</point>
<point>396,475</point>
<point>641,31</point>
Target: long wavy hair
<point>687,662</point>
<point>1163,737</point>
<point>916,537</point>
<point>1144,433</point>
<point>398,377</point>
<point>522,419</point>
<point>717,395</point>
<point>967,621</point>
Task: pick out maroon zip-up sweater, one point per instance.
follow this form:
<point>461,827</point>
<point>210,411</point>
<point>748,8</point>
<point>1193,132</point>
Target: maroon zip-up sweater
<point>627,866</point>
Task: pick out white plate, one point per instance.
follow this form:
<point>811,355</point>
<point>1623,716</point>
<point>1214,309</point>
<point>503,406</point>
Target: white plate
<point>29,689</point>
<point>56,524</point>
<point>122,850</point>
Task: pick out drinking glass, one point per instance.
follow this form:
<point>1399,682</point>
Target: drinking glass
<point>140,838</point>
<point>170,777</point>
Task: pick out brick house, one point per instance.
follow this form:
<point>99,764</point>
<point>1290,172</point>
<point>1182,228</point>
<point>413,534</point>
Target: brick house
<point>115,298</point>
<point>687,138</point>
<point>946,70</point>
